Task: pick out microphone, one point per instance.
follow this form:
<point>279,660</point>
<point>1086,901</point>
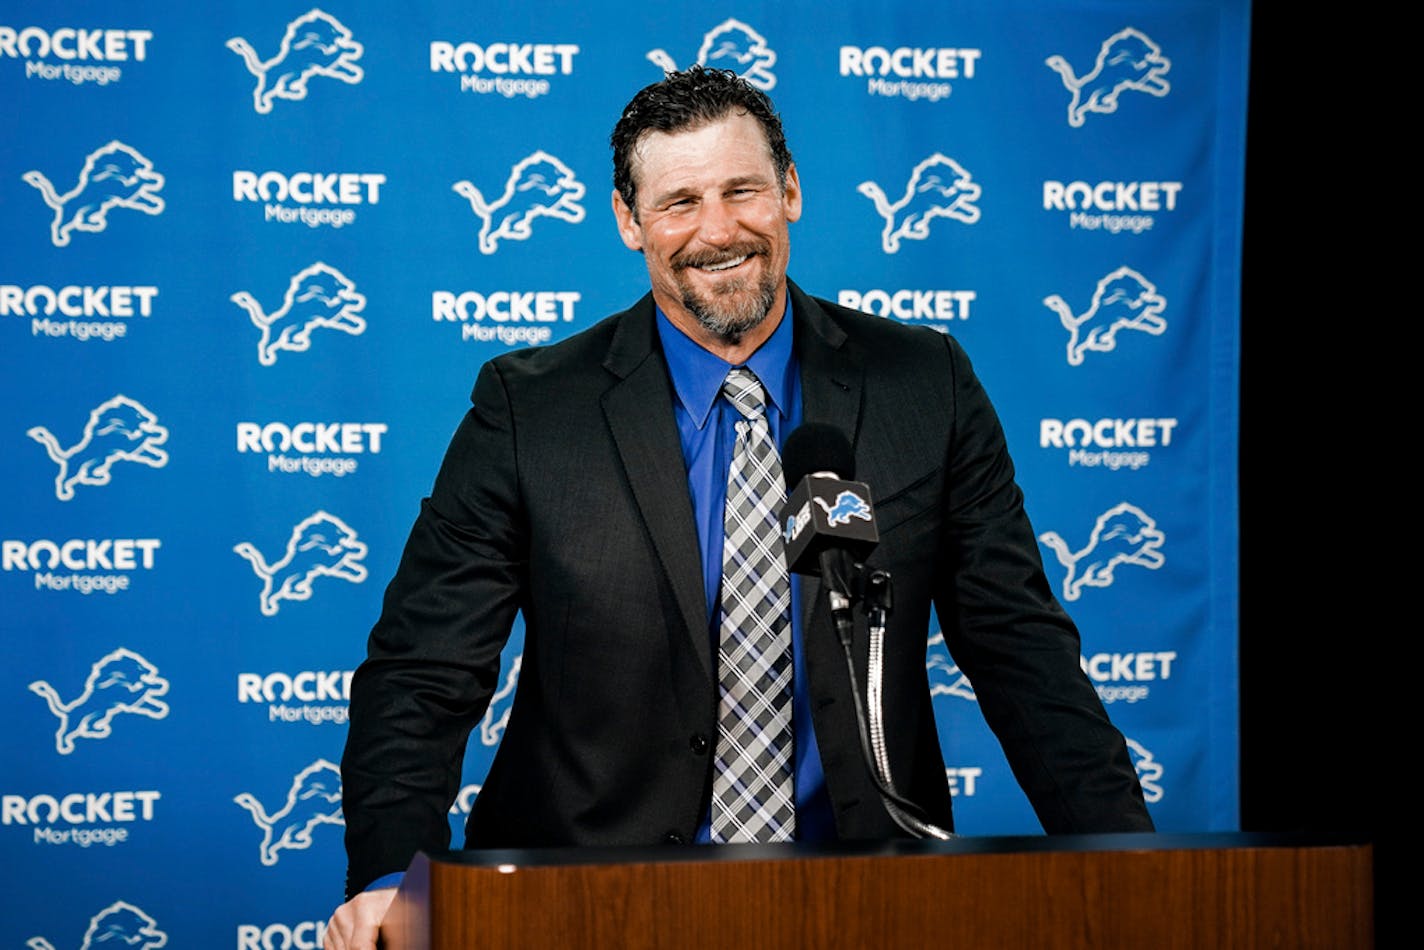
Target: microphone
<point>826,513</point>
<point>829,529</point>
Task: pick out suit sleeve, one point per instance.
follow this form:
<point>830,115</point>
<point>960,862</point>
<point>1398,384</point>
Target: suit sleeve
<point>1010,636</point>
<point>433,655</point>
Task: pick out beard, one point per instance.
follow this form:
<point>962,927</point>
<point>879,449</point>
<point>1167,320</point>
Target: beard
<point>735,307</point>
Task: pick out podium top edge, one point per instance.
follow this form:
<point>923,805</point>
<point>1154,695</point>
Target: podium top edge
<point>967,844</point>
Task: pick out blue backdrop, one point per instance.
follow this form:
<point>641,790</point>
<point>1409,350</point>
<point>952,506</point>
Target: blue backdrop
<point>255,253</point>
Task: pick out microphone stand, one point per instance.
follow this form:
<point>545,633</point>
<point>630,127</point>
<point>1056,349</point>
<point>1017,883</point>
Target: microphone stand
<point>847,583</point>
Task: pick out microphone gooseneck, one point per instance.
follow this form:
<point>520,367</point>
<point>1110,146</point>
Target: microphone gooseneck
<point>829,532</point>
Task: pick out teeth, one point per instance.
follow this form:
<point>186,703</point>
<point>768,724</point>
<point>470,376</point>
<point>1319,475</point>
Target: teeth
<point>726,264</point>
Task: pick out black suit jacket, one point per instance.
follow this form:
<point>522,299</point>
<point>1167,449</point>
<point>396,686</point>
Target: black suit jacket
<point>563,495</point>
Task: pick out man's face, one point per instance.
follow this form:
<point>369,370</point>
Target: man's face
<point>712,226</point>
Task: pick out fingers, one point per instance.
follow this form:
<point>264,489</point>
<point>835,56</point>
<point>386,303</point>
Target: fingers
<point>356,924</point>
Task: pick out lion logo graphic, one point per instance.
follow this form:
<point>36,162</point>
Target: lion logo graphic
<point>314,799</point>
<point>732,45</point>
<point>122,682</point>
<point>121,924</point>
<point>119,430</point>
<point>1149,771</point>
<point>316,44</point>
<point>318,297</point>
<point>500,706</point>
<point>847,505</point>
<point>939,187</point>
<point>115,176</point>
<point>1123,534</point>
<point>1123,300</point>
<point>944,676</point>
<point>1127,61</point>
<point>464,800</point>
<point>538,186</point>
<point>322,545</point>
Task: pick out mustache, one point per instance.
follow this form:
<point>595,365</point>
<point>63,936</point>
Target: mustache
<point>719,256</point>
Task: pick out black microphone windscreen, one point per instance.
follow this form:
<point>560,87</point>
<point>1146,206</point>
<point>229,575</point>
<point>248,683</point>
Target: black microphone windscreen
<point>816,447</point>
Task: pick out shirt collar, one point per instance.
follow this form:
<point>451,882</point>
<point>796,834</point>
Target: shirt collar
<point>697,375</point>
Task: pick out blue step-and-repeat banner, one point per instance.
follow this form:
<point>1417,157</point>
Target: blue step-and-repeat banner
<point>254,254</point>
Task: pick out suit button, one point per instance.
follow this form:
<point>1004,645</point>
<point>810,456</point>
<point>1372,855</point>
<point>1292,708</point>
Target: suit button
<point>672,837</point>
<point>698,743</point>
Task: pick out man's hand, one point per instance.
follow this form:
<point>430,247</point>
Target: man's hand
<point>356,923</point>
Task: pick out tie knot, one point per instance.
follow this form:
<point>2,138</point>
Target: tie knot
<point>745,391</point>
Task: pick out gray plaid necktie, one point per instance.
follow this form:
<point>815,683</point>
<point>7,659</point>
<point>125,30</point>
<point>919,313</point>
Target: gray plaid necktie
<point>752,792</point>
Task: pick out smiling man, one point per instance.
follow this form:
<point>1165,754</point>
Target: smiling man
<point>621,490</point>
<point>709,208</point>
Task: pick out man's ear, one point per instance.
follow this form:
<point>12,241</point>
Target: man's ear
<point>628,228</point>
<point>791,199</point>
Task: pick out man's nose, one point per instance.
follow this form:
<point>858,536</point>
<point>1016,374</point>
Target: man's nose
<point>717,224</point>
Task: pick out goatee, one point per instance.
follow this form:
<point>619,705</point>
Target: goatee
<point>735,307</point>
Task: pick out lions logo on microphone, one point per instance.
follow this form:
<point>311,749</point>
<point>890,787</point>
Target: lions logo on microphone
<point>847,505</point>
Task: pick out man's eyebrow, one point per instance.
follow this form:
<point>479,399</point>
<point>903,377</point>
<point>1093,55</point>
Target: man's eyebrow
<point>746,180</point>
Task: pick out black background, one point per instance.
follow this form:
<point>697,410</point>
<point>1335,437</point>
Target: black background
<point>1325,316</point>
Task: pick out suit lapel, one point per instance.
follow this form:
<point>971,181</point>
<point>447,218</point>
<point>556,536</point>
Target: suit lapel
<point>831,377</point>
<point>831,382</point>
<point>639,412</point>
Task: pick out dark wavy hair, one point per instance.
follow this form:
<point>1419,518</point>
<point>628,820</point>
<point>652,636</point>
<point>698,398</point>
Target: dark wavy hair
<point>684,101</point>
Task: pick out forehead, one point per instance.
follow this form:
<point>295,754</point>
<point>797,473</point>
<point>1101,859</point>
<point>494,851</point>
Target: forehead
<point>733,146</point>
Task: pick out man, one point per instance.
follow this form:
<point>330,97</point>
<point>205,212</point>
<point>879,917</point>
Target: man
<point>586,489</point>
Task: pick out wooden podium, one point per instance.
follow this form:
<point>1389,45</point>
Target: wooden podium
<point>1092,891</point>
